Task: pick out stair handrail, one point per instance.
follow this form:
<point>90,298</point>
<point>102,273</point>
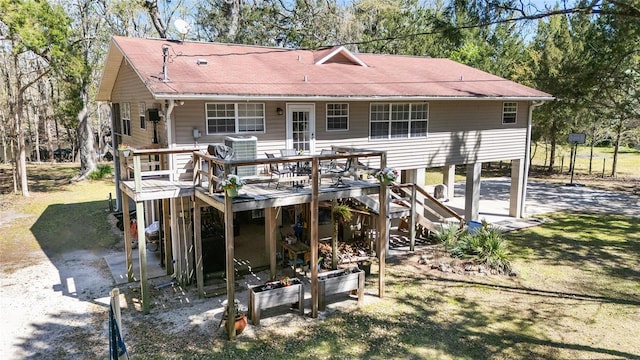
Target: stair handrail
<point>430,197</point>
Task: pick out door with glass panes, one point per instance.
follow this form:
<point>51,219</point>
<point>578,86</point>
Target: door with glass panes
<point>301,127</point>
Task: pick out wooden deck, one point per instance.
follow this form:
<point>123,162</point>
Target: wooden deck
<point>157,189</point>
<point>265,195</point>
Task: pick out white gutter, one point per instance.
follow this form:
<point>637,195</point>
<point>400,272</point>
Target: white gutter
<point>169,124</point>
<point>527,155</point>
<point>235,97</point>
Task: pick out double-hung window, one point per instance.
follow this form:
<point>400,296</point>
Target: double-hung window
<point>398,120</point>
<point>337,117</point>
<point>509,112</point>
<point>231,118</point>
<point>125,115</point>
<point>142,109</point>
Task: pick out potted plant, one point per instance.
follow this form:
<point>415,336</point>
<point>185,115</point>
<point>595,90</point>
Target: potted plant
<point>125,148</point>
<point>387,175</point>
<point>342,216</point>
<point>231,185</point>
<point>240,317</point>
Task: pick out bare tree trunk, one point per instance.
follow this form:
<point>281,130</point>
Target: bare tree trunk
<point>46,108</point>
<point>552,154</point>
<point>47,128</point>
<point>22,156</point>
<point>616,150</point>
<point>3,140</point>
<point>533,154</point>
<point>156,19</point>
<point>14,165</point>
<point>232,12</point>
<point>85,137</point>
<point>36,129</point>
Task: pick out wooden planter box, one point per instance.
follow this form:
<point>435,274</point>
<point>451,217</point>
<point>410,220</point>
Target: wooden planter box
<point>339,281</point>
<point>261,297</point>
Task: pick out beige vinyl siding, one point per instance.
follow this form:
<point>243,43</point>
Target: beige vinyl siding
<point>459,132</point>
<point>129,89</point>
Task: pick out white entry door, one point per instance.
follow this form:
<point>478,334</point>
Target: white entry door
<point>301,127</point>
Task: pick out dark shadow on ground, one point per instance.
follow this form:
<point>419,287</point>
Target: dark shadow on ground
<point>76,336</point>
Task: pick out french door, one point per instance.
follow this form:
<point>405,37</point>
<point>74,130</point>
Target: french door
<point>301,125</point>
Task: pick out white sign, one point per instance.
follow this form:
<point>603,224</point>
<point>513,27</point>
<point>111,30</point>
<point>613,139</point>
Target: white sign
<point>577,138</point>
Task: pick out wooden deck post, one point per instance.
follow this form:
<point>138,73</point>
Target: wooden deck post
<point>314,236</point>
<point>271,220</point>
<point>126,225</point>
<point>334,236</point>
<point>179,265</point>
<point>197,239</point>
<point>383,229</point>
<point>142,257</point>
<point>168,248</point>
<point>188,239</point>
<point>412,219</point>
<point>230,265</point>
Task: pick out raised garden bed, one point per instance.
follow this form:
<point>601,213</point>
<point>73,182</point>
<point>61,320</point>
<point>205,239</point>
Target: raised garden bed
<point>339,281</point>
<point>275,293</point>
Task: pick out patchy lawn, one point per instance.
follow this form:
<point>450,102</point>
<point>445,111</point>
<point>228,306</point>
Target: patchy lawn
<point>576,296</point>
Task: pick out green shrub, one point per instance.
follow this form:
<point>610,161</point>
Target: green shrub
<point>447,234</point>
<point>101,172</point>
<point>486,246</point>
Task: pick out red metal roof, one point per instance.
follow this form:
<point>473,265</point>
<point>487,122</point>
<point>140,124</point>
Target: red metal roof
<point>251,71</point>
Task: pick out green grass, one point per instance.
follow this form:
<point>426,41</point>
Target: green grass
<point>628,160</point>
<point>59,215</point>
<point>628,164</point>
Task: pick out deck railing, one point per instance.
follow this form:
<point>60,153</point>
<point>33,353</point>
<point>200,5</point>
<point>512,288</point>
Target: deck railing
<point>205,165</point>
<point>141,164</point>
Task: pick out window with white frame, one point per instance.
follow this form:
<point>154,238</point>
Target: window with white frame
<point>337,117</point>
<point>509,112</point>
<point>142,109</point>
<point>230,118</point>
<point>125,115</point>
<point>398,120</point>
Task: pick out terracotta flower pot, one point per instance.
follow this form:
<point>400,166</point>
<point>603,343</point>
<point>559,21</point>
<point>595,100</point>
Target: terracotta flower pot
<point>241,323</point>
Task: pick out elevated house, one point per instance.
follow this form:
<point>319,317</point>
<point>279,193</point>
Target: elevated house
<point>170,100</point>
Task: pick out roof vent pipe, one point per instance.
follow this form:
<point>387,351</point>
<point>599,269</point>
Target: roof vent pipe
<point>165,54</point>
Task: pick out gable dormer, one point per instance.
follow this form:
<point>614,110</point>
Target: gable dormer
<point>337,55</point>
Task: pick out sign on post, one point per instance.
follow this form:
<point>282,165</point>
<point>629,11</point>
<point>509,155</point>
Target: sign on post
<point>577,138</point>
<point>574,140</point>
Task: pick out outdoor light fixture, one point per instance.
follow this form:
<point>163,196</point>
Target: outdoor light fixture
<point>280,111</point>
<point>154,117</point>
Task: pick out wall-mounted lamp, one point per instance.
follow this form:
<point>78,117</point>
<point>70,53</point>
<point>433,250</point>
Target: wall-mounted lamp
<point>280,111</point>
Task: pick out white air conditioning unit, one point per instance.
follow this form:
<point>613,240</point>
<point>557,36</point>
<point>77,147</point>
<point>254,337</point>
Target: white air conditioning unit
<point>245,148</point>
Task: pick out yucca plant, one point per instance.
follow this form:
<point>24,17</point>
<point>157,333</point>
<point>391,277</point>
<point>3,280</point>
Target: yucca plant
<point>485,246</point>
<point>446,234</point>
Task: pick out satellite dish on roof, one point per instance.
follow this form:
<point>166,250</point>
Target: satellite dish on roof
<point>182,26</point>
